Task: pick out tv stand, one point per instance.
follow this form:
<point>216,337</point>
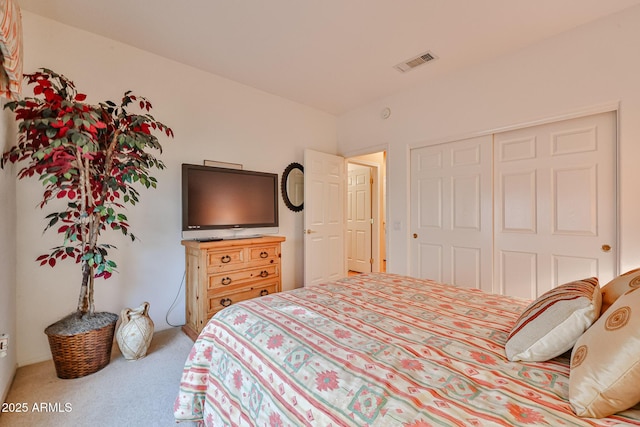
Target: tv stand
<point>224,272</point>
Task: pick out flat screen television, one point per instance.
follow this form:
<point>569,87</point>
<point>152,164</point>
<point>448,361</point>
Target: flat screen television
<point>233,200</point>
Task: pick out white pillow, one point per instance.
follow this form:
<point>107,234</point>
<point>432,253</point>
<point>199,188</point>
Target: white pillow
<point>552,324</point>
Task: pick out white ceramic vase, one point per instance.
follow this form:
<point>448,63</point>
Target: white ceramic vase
<point>135,332</point>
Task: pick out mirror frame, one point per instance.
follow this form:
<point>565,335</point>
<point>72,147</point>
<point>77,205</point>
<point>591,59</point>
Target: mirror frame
<point>283,186</point>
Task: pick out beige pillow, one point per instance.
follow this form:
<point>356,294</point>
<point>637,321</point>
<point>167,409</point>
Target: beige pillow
<point>551,324</point>
<point>618,286</point>
<point>605,362</point>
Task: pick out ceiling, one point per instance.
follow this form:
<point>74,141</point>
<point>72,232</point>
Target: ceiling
<point>333,55</point>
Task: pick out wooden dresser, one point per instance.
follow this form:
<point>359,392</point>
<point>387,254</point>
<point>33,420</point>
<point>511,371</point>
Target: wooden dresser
<point>221,273</point>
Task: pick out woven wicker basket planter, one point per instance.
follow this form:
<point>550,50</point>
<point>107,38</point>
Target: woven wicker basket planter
<point>84,353</point>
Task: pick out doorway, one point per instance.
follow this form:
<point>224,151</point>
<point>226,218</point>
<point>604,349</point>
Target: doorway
<point>366,213</point>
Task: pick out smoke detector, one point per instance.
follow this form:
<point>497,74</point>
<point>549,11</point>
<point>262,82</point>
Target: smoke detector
<point>414,62</point>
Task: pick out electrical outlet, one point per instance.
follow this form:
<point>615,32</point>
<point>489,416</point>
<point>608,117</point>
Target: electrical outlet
<point>4,344</point>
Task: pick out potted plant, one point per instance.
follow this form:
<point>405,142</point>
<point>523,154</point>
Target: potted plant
<point>89,159</point>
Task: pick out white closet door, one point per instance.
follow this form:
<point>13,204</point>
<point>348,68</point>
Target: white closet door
<point>451,222</point>
<point>555,204</point>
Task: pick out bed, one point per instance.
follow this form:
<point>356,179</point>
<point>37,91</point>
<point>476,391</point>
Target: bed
<point>373,350</point>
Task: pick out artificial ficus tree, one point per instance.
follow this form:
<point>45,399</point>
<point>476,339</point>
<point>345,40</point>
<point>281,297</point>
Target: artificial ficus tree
<point>90,158</point>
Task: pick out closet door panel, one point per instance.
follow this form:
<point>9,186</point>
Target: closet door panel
<point>451,221</point>
<point>518,273</point>
<point>556,199</point>
<point>518,202</point>
<point>575,201</point>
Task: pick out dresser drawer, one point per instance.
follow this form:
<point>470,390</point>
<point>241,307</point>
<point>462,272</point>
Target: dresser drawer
<point>218,302</point>
<point>233,279</point>
<point>263,253</point>
<point>228,259</point>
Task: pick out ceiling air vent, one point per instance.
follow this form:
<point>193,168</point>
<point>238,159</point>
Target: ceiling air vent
<point>412,63</point>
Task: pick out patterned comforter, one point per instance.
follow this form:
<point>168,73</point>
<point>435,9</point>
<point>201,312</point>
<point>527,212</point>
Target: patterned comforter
<point>372,350</point>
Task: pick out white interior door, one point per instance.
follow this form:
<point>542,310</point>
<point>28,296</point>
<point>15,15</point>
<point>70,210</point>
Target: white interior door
<point>324,217</point>
<point>359,218</point>
<point>555,204</point>
<point>451,218</point>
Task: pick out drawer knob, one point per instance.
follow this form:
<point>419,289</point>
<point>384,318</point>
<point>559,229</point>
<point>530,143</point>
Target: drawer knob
<point>264,292</point>
<point>225,259</point>
<point>225,302</point>
<point>264,254</point>
<point>226,280</point>
<point>264,273</point>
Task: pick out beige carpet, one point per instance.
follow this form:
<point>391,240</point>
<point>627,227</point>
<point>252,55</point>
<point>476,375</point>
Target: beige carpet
<point>125,393</point>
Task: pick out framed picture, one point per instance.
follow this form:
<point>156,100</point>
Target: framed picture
<point>222,164</point>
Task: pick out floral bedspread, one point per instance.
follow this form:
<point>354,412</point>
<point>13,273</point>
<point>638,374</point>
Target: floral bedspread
<point>372,350</point>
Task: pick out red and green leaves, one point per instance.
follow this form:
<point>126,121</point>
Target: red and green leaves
<point>90,155</point>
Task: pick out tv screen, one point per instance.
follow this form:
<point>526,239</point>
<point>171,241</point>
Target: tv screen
<point>220,198</point>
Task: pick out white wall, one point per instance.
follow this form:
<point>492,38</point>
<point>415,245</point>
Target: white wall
<point>212,118</point>
<point>590,66</point>
<point>7,255</point>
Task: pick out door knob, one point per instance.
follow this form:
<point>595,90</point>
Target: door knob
<point>309,231</point>
<point>606,248</point>
<point>415,235</point>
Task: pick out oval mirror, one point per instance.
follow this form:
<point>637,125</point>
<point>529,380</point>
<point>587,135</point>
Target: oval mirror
<point>292,187</point>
